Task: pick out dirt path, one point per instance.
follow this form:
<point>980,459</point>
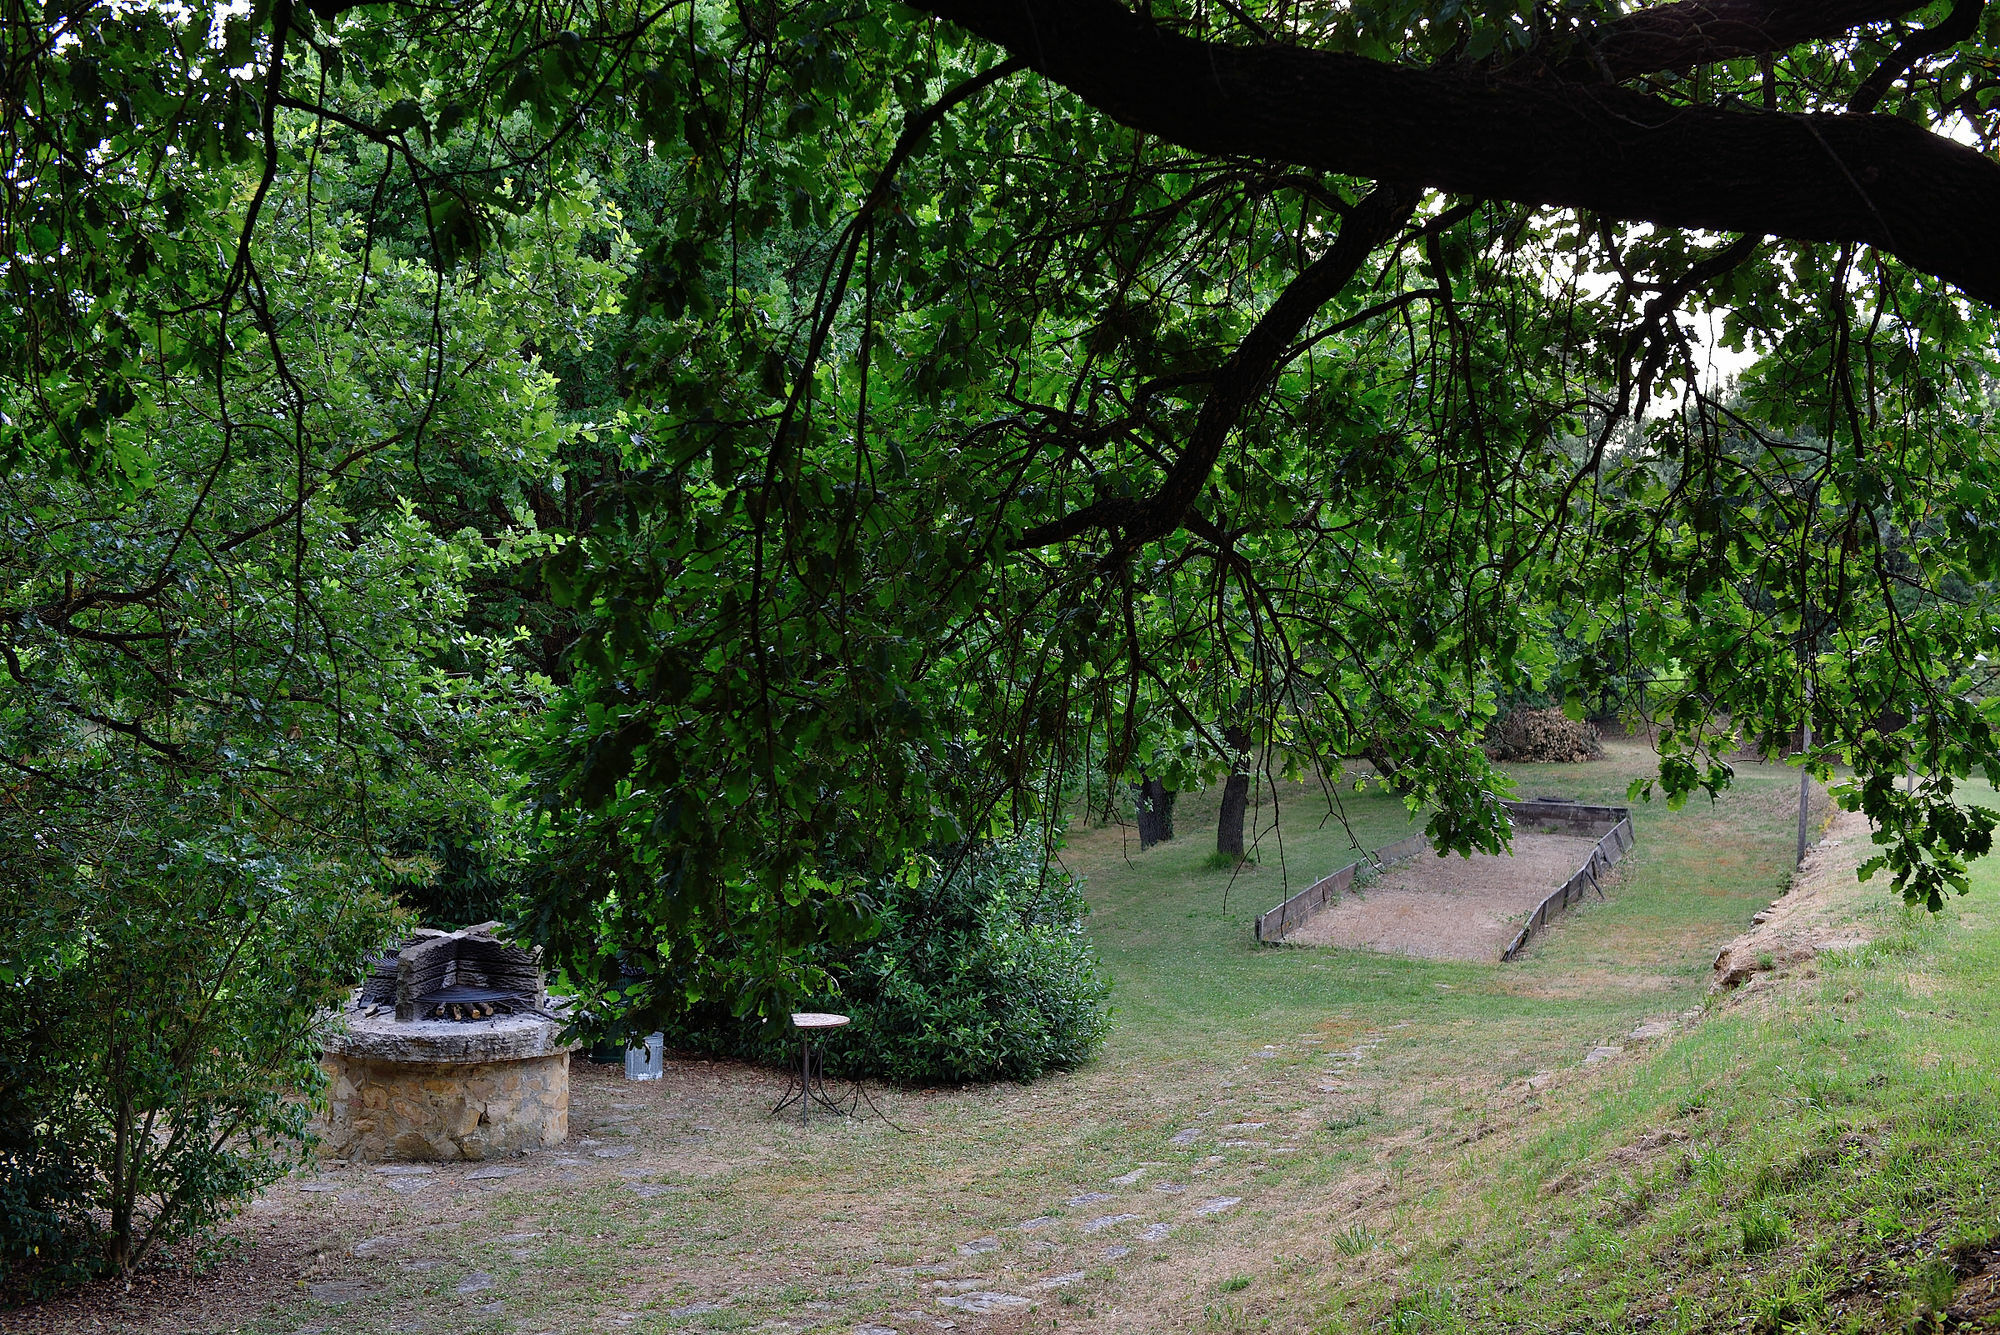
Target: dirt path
<point>681,1204</point>
<point>1449,907</point>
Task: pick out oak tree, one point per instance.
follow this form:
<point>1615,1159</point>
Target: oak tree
<point>1013,388</point>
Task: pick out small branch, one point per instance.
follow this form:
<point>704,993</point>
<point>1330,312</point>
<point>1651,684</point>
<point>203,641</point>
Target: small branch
<point>1960,24</point>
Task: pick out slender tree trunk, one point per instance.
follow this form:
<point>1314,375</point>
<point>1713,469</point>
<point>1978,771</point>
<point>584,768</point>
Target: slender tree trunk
<point>1156,811</point>
<point>118,1244</point>
<point>1805,776</point>
<point>1235,793</point>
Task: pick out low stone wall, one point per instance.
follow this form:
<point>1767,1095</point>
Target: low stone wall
<point>444,1110</point>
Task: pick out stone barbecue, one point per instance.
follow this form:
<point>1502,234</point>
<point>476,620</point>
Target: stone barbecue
<point>450,1049</point>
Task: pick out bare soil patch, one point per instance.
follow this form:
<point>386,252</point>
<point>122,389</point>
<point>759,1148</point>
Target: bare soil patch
<point>1449,908</point>
<point>1823,910</point>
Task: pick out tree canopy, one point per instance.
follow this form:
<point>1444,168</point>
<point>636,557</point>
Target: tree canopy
<point>953,400</point>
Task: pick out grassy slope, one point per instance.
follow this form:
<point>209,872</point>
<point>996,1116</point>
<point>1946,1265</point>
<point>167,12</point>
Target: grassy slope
<point>1823,1154</point>
<point>1702,865</point>
<point>1431,1187</point>
<point>1821,1133</point>
<point>1189,979</point>
<point>1840,1169</point>
<point>1194,991</point>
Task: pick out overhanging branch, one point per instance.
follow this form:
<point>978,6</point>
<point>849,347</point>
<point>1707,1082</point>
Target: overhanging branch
<point>1874,180</point>
<point>1960,24</point>
<point>1240,380</point>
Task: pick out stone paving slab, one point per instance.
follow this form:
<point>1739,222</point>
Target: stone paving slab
<point>1102,1222</point>
<point>982,1303</point>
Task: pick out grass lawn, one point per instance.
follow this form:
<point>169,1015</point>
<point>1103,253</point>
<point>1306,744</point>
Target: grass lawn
<point>1273,1138</point>
<point>1818,1154</point>
<point>1190,981</point>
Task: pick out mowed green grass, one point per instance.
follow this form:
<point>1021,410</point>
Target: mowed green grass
<point>1175,932</point>
<point>1824,1157</point>
<point>1820,1153</point>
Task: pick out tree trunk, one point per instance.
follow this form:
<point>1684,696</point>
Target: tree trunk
<point>1235,794</point>
<point>1156,811</point>
<point>118,1239</point>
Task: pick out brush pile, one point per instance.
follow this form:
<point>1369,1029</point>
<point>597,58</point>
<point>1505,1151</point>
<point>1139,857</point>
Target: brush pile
<point>1544,736</point>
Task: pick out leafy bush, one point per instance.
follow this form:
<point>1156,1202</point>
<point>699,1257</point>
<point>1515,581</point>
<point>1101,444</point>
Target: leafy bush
<point>157,1017</point>
<point>45,1183</point>
<point>979,971</point>
<point>1543,735</point>
<point>232,657</point>
<point>451,873</point>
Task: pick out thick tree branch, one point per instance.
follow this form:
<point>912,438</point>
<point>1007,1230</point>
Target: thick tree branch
<point>1875,180</point>
<point>1240,380</point>
<point>1699,32</point>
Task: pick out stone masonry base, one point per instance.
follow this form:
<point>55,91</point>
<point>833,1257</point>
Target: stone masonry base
<point>413,1110</point>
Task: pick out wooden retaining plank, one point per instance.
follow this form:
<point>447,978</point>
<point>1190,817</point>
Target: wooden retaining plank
<point>1610,848</point>
<point>1611,825</point>
<point>1403,848</point>
<point>1273,926</point>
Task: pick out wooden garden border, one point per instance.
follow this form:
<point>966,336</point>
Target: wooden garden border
<point>1613,843</point>
<point>1547,815</point>
<point>1272,926</point>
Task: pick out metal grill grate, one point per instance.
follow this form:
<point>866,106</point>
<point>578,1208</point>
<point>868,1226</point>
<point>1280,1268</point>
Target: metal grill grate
<point>464,976</point>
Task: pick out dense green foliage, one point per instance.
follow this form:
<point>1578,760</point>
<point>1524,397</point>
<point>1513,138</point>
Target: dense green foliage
<point>977,970</point>
<point>883,565</point>
<point>156,1048</point>
<point>237,665</point>
<point>684,463</point>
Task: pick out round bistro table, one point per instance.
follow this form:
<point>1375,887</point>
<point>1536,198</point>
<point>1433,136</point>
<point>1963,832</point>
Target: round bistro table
<point>810,1087</point>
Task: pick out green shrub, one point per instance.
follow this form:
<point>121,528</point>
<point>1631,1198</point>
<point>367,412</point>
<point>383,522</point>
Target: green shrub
<point>45,1181</point>
<point>978,971</point>
<point>157,1041</point>
<point>450,872</point>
